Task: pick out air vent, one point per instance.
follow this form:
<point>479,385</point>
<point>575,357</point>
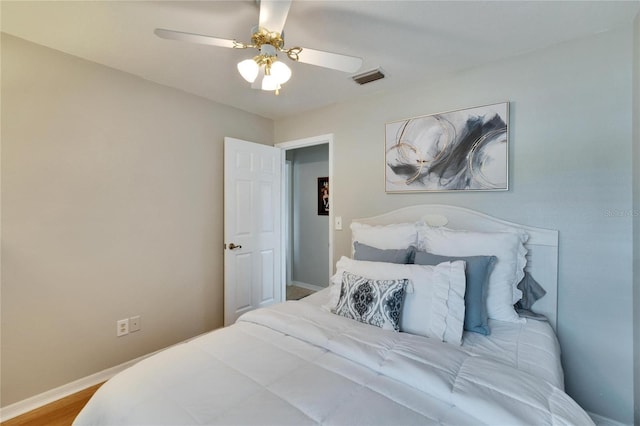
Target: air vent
<point>368,76</point>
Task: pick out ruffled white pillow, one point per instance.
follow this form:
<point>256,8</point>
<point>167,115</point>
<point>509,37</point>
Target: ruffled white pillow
<point>434,300</point>
<point>507,246</point>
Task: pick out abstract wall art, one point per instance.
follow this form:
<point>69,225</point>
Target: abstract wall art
<point>465,150</point>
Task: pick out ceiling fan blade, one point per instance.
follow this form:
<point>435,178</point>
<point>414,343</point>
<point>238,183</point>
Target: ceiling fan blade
<point>273,14</point>
<point>194,38</point>
<point>330,60</point>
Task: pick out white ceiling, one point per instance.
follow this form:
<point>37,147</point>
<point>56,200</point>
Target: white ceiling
<point>412,41</point>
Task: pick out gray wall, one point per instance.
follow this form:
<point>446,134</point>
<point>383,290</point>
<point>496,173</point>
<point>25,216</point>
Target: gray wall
<point>570,169</point>
<point>636,211</point>
<point>310,234</point>
<point>111,207</point>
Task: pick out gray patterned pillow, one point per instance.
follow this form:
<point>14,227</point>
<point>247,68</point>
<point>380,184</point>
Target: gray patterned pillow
<point>374,302</point>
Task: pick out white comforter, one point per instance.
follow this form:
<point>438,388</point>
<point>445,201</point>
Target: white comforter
<point>294,363</point>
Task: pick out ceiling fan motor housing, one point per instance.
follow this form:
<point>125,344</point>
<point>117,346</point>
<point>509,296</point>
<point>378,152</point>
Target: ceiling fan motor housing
<point>262,36</point>
<point>268,50</point>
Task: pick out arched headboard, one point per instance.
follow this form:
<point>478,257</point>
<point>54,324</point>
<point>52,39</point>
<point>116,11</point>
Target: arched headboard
<point>542,246</point>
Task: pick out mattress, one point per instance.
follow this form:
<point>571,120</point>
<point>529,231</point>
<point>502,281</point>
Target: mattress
<point>295,363</point>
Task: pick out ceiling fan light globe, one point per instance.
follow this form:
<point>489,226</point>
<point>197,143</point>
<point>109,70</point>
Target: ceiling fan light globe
<point>281,72</point>
<point>248,69</point>
<point>270,83</point>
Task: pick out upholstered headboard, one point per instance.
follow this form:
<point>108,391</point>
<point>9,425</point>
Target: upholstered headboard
<point>542,246</point>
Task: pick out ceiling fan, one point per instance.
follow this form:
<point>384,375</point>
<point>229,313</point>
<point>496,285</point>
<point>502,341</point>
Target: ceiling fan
<point>265,71</point>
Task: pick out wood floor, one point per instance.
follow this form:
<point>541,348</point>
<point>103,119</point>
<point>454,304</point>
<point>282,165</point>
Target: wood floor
<point>296,293</point>
<point>58,413</point>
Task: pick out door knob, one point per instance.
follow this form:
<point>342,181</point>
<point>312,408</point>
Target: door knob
<point>233,246</point>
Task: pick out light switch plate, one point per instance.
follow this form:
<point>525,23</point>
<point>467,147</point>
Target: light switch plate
<point>135,323</point>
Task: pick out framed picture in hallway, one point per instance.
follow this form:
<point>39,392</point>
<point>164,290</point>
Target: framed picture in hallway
<point>323,196</point>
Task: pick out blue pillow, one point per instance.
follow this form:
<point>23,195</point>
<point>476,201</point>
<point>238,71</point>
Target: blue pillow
<point>477,275</point>
<point>372,254</point>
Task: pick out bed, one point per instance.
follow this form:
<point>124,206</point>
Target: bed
<point>408,357</point>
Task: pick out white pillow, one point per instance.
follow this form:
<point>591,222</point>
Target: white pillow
<point>395,236</point>
<point>508,247</point>
<point>434,301</point>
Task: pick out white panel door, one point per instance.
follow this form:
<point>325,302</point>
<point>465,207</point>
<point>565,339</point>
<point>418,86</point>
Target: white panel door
<point>252,227</point>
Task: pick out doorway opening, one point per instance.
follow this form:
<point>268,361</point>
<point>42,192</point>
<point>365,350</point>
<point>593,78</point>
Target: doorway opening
<point>307,216</point>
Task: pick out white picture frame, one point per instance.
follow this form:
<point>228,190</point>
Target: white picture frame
<point>463,150</point>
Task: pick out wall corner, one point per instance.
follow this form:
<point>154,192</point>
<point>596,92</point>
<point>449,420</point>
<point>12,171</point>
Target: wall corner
<point>636,213</point>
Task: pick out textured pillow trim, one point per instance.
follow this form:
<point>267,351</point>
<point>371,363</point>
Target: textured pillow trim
<point>447,305</point>
<point>455,303</point>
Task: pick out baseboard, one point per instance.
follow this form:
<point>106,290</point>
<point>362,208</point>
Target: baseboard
<point>40,400</point>
<point>605,421</point>
<point>307,286</point>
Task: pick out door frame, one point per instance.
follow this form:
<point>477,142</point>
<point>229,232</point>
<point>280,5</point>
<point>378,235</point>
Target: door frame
<point>303,143</point>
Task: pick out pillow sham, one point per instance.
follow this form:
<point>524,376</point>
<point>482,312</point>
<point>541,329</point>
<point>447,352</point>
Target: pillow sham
<point>373,254</point>
<point>374,302</point>
<point>508,247</point>
<point>394,236</point>
<point>477,274</point>
<point>434,301</point>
